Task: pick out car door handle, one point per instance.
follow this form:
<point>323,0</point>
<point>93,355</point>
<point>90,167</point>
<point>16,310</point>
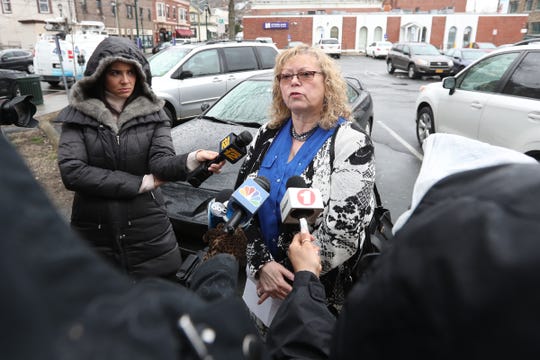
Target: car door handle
<point>534,116</point>
<point>476,105</point>
<point>217,79</point>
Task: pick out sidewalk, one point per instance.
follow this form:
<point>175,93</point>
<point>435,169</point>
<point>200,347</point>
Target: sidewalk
<point>47,112</point>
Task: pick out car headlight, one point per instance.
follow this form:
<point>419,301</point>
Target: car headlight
<point>421,62</point>
<point>450,63</point>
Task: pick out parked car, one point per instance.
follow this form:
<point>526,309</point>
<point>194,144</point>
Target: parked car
<point>495,100</point>
<point>9,86</point>
<point>245,107</point>
<point>293,44</point>
<point>330,46</point>
<point>463,57</point>
<point>418,59</point>
<point>17,59</point>
<point>161,46</point>
<point>190,75</point>
<point>483,45</point>
<point>378,49</point>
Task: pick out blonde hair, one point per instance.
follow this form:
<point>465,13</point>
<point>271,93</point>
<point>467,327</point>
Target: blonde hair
<point>335,89</point>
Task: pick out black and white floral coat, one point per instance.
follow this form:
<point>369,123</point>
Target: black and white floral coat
<point>344,171</point>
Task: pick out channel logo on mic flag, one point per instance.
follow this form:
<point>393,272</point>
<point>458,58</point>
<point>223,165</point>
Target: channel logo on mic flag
<point>251,194</point>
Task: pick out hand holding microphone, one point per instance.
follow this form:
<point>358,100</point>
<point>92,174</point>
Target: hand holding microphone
<point>232,148</point>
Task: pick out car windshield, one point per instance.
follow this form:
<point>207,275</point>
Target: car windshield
<point>249,102</point>
<point>472,55</point>
<point>329,41</point>
<point>424,50</point>
<point>163,61</point>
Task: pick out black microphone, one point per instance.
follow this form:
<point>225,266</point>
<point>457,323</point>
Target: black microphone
<point>245,202</point>
<point>232,148</point>
<point>300,202</point>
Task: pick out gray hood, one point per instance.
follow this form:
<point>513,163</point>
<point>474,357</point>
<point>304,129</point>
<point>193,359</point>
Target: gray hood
<point>108,51</point>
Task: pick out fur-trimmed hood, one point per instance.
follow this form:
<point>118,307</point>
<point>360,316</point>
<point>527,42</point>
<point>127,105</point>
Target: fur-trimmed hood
<point>107,52</point>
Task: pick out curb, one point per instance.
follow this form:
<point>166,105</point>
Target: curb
<point>49,130</point>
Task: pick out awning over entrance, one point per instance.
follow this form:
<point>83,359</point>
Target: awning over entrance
<point>184,33</point>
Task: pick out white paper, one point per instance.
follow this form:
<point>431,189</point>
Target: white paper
<point>265,311</point>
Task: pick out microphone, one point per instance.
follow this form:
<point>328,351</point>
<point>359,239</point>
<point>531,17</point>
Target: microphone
<point>232,148</point>
<point>245,202</point>
<point>300,202</point>
<point>217,208</point>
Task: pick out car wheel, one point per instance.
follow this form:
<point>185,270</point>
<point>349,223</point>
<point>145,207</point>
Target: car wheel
<point>30,68</point>
<point>425,124</point>
<point>390,67</point>
<point>412,72</point>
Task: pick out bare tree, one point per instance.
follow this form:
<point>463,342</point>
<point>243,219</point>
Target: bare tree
<point>232,21</point>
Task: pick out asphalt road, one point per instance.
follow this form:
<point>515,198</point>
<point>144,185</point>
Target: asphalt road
<point>397,152</point>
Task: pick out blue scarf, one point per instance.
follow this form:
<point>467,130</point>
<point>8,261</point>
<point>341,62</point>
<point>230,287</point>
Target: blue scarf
<point>277,170</point>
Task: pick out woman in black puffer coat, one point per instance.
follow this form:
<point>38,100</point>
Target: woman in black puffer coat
<point>115,150</point>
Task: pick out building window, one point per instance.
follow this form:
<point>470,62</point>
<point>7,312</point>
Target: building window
<point>99,7</point>
<point>160,9</point>
<point>6,6</point>
<point>528,5</point>
<point>83,7</point>
<point>167,11</point>
<point>535,28</point>
<point>113,9</point>
<point>44,7</point>
<point>538,5</point>
<point>451,38</point>
<point>129,10</point>
<point>149,15</point>
<point>174,12</point>
<point>467,36</point>
<point>513,7</point>
<point>182,14</point>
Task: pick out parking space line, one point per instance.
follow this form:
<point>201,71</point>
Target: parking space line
<point>402,141</point>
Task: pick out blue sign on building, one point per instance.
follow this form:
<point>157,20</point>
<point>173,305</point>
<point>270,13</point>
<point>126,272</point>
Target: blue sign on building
<point>276,25</point>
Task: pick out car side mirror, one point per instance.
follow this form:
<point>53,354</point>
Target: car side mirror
<point>185,75</point>
<point>205,106</point>
<point>450,84</point>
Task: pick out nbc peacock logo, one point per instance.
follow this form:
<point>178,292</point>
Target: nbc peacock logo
<point>251,194</point>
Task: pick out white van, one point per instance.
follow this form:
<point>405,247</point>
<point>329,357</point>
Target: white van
<point>75,49</point>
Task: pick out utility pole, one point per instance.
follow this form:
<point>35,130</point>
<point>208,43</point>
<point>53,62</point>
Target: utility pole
<point>116,20</point>
<point>137,22</point>
<point>142,28</point>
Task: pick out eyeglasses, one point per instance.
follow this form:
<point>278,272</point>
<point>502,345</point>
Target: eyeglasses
<point>301,76</point>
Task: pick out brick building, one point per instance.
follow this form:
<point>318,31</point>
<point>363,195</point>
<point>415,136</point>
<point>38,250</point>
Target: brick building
<point>356,31</point>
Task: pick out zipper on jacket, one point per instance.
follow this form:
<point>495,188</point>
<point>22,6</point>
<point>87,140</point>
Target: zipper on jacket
<point>118,139</point>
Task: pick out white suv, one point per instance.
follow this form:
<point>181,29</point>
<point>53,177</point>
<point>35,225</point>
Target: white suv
<point>496,100</point>
<point>190,77</point>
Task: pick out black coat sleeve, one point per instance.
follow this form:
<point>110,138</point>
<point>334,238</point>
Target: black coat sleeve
<point>303,325</point>
<point>163,162</point>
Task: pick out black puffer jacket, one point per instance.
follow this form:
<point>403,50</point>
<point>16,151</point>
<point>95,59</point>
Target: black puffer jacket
<point>104,160</point>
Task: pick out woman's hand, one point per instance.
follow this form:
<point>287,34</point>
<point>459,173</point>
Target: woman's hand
<point>304,254</point>
<point>205,155</point>
<point>272,281</point>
